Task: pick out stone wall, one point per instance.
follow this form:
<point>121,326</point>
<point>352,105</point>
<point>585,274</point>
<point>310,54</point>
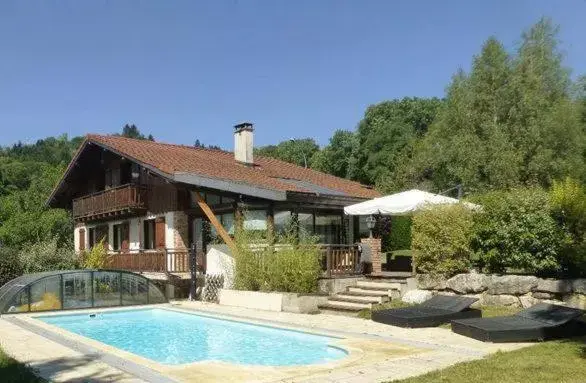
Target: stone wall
<point>507,290</point>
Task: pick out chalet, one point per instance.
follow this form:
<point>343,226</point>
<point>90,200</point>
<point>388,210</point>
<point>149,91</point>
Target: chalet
<point>149,201</point>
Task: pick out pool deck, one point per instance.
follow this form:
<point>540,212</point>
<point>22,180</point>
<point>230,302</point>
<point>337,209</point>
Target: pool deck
<point>377,352</point>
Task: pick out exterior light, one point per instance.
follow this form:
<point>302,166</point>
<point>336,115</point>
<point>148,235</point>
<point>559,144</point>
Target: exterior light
<point>370,223</point>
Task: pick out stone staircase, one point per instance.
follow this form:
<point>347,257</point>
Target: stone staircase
<point>364,295</point>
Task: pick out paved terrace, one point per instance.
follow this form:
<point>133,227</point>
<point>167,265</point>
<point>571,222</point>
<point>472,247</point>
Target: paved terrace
<point>378,352</point>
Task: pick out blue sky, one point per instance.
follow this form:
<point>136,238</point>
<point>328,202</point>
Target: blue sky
<point>183,70</point>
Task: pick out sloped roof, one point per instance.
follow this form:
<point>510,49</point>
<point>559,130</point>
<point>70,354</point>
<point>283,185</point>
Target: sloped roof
<point>181,163</point>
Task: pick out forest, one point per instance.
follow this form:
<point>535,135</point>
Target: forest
<point>514,119</point>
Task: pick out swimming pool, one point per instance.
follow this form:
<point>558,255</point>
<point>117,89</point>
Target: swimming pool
<point>172,337</point>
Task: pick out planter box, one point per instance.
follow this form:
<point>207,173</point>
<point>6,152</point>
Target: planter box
<point>289,302</point>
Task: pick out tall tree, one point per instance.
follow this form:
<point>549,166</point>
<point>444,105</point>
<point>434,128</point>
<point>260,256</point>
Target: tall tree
<point>132,131</point>
<point>297,151</point>
<point>335,157</point>
<point>388,130</point>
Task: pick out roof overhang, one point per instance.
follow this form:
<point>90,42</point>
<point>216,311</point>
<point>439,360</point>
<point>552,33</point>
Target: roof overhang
<point>229,186</point>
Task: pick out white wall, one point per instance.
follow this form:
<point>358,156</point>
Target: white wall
<point>76,237</point>
<point>135,225</point>
<point>221,262</point>
<point>169,230</point>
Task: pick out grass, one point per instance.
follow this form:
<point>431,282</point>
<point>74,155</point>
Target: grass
<point>11,371</point>
<point>556,361</point>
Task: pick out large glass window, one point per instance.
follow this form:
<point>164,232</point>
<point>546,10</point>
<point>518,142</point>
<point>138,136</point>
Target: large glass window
<point>106,289</point>
<point>283,221</point>
<point>91,235</point>
<point>46,294</point>
<point>77,290</point>
<point>305,221</point>
<point>227,221</point>
<point>328,228</point>
<point>255,220</point>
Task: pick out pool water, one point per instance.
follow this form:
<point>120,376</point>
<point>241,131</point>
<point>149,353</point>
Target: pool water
<point>172,337</point>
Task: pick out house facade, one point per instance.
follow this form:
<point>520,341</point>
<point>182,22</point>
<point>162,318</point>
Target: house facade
<point>150,202</point>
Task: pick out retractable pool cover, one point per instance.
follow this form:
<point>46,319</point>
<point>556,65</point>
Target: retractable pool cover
<point>77,289</point>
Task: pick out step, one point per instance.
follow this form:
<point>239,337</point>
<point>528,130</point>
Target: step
<point>359,298</point>
<point>379,285</point>
<point>368,291</point>
<point>402,281</point>
<point>370,298</point>
<point>341,306</point>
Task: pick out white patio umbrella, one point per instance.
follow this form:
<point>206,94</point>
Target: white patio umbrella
<point>403,203</point>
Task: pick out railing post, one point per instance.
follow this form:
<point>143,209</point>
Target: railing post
<point>329,262</point>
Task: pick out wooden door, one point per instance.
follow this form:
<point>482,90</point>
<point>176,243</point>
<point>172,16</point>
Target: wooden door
<point>160,233</point>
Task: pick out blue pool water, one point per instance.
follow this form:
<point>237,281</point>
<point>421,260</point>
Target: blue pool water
<point>172,337</point>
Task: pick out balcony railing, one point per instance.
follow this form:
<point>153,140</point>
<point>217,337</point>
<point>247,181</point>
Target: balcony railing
<point>157,261</point>
<point>119,200</point>
<point>336,260</point>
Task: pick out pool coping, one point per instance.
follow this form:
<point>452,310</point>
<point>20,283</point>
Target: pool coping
<point>152,371</point>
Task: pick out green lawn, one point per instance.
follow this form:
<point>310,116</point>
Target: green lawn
<point>12,371</point>
<point>556,361</point>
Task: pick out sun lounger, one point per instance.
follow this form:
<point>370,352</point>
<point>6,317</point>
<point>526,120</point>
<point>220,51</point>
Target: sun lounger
<point>433,312</point>
<point>539,322</point>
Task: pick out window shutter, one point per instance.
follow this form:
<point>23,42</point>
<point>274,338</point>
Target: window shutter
<point>81,239</point>
<point>160,232</point>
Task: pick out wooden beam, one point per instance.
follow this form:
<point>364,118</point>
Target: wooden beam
<point>214,221</point>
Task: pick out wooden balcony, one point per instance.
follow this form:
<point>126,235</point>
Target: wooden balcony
<point>157,261</point>
<point>119,201</point>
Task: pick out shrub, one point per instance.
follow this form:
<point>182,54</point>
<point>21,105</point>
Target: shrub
<point>96,257</point>
<point>400,233</point>
<point>568,208</point>
<point>441,240</point>
<point>290,265</point>
<point>10,266</point>
<point>46,256</point>
<point>515,231</point>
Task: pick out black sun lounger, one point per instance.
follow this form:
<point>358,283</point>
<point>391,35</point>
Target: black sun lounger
<point>539,322</point>
<point>433,312</point>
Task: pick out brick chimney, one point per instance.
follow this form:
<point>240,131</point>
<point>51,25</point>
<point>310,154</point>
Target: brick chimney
<point>243,145</point>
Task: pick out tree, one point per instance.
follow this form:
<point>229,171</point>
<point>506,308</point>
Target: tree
<point>335,157</point>
<point>296,151</point>
<point>387,131</point>
<point>132,131</point>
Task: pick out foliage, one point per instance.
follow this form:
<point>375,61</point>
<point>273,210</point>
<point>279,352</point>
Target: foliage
<point>386,135</point>
<point>13,371</point>
<point>334,158</point>
<point>289,265</point>
<point>568,205</point>
<point>441,240</point>
<point>296,151</point>
<point>400,233</point>
<point>131,131</point>
<point>96,257</point>
<point>515,231</point>
<point>46,256</point>
<point>10,267</point>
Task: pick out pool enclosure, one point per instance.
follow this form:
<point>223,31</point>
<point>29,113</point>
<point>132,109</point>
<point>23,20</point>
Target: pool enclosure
<point>77,289</point>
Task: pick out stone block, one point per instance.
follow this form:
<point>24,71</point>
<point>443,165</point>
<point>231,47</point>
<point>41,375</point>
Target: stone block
<point>528,300</point>
<point>430,282</point>
<point>416,296</point>
<point>511,284</point>
<point>499,300</point>
<point>468,283</point>
<point>579,286</point>
<point>554,286</point>
<point>541,295</point>
<point>576,300</point>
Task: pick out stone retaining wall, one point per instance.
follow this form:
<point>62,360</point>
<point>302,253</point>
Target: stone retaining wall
<point>507,290</point>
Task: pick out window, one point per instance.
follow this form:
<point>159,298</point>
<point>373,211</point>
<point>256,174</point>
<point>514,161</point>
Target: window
<point>283,221</point>
<point>91,237</point>
<point>305,221</point>
<point>363,230</point>
<point>328,228</point>
<point>255,220</point>
<point>119,236</point>
<point>227,221</point>
<point>112,177</point>
<point>149,234</point>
